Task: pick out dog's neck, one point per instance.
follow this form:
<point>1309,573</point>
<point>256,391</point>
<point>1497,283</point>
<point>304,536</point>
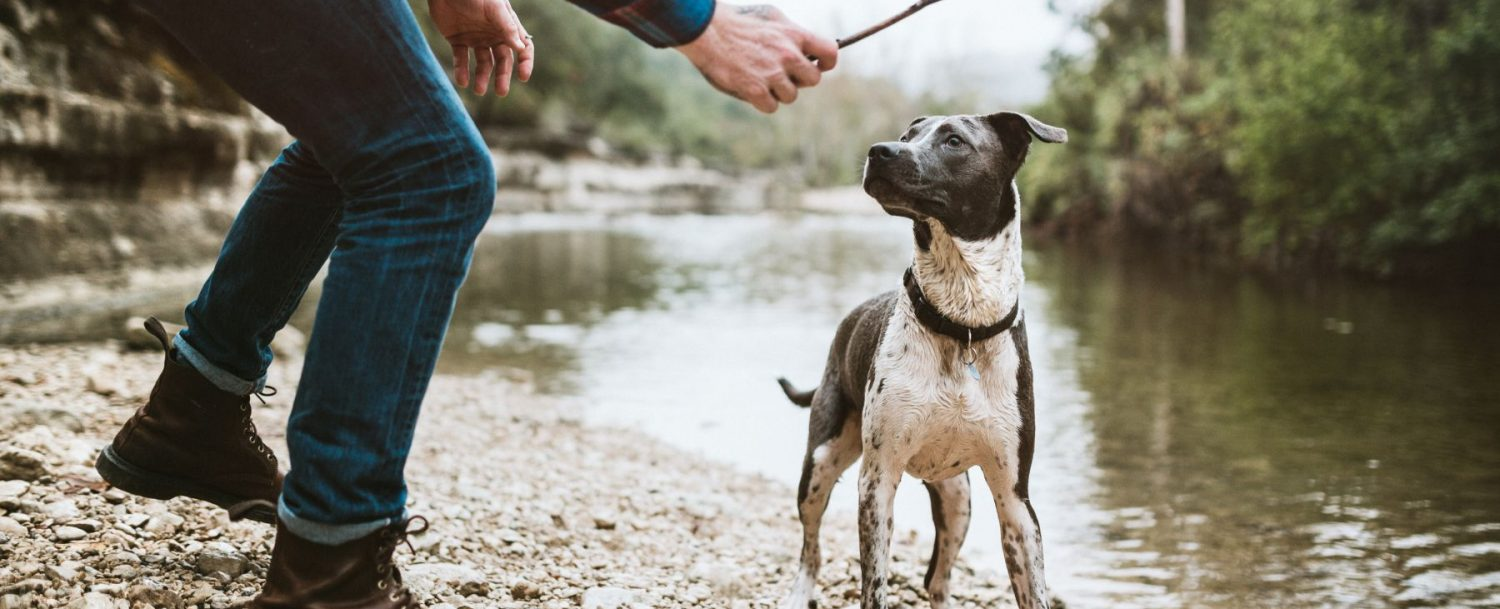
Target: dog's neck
<point>975,283</point>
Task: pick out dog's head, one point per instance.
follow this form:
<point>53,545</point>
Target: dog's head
<point>955,170</point>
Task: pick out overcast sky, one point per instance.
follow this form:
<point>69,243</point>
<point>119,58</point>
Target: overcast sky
<point>997,46</point>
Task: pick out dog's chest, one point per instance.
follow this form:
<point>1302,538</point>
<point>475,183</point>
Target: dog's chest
<point>925,400</point>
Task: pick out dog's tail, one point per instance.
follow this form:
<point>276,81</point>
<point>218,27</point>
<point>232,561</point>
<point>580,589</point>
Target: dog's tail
<point>800,398</point>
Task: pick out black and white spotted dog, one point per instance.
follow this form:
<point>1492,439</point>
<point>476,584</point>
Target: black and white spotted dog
<point>935,378</point>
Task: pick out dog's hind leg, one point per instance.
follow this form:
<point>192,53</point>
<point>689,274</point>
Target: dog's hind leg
<point>950,516</point>
<point>833,445</point>
<point>1020,538</point>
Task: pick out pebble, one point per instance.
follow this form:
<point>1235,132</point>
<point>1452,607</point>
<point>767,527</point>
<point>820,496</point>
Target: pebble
<point>93,600</point>
<point>163,524</point>
<point>607,598</point>
<point>220,557</point>
<point>18,463</point>
<point>66,509</point>
<point>154,594</point>
<point>65,573</point>
<point>434,577</point>
<point>524,591</point>
<point>115,496</point>
<point>10,528</point>
<point>10,489</point>
<point>104,385</point>
<point>89,525</point>
<point>200,595</point>
<point>66,533</point>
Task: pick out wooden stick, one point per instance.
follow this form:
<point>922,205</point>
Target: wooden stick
<point>867,32</point>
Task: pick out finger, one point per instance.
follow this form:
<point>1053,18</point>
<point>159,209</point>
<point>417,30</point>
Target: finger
<point>784,91</point>
<point>525,53</point>
<point>507,59</point>
<point>526,61</point>
<point>461,66</point>
<point>825,51</point>
<point>804,73</point>
<point>486,70</point>
<point>762,101</point>
<point>500,14</point>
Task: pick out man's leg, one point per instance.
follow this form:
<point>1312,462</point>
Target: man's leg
<point>279,240</point>
<point>357,84</point>
<point>195,436</point>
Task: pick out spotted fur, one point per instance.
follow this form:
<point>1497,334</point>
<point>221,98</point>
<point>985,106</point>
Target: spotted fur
<point>898,393</point>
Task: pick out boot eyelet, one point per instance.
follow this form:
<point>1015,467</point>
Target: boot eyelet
<point>395,598</point>
<point>381,585</point>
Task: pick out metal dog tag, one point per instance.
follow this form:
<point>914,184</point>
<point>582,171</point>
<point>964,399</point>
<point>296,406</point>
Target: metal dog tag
<point>973,357</point>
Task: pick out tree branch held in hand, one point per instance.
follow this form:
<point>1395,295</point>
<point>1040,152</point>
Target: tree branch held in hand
<point>865,33</point>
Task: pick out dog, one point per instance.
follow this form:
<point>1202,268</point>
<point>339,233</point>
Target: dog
<point>935,378</point>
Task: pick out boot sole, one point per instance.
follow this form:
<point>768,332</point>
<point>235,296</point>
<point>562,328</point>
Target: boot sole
<point>125,476</point>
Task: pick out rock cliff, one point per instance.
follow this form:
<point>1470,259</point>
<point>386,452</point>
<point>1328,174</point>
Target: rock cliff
<point>116,148</point>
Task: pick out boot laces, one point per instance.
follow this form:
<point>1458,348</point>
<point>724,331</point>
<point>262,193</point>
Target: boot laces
<point>251,434</point>
<point>385,563</point>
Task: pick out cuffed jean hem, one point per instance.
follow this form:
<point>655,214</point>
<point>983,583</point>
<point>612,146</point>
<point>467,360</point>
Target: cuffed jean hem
<point>216,375</point>
<point>328,534</point>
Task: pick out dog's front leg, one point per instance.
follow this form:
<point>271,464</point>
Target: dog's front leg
<point>1021,538</point>
<point>878,478</point>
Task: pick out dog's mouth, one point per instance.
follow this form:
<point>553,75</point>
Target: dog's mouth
<point>887,193</point>
<point>893,199</point>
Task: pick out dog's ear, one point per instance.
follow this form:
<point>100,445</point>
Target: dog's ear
<point>1016,130</point>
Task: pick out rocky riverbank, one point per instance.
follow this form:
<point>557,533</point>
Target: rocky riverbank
<point>529,507</point>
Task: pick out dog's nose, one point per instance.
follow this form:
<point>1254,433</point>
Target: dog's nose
<point>884,151</point>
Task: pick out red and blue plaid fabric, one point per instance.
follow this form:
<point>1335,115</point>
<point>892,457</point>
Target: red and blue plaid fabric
<point>661,23</point>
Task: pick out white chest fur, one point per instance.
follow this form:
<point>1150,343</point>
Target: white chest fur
<point>922,399</point>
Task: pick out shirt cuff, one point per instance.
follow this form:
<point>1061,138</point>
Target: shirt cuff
<point>663,23</point>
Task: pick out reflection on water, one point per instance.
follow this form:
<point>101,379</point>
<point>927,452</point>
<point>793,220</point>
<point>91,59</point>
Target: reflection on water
<point>1203,440</point>
<point>1331,446</point>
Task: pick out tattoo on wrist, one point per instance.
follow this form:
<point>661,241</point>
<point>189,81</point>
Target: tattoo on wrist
<point>762,11</point>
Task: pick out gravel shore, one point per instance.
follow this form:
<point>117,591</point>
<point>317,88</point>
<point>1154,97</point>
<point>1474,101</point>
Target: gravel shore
<point>529,507</point>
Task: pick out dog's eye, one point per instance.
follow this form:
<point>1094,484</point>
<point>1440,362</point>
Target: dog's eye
<point>903,138</point>
<point>955,141</point>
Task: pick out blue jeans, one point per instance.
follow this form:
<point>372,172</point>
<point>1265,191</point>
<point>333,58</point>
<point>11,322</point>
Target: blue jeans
<point>388,182</point>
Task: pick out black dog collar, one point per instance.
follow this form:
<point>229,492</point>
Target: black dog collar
<point>937,322</point>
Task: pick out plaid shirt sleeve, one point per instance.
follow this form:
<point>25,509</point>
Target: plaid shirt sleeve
<point>661,23</point>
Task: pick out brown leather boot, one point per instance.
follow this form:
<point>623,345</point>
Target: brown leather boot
<point>192,439</point>
<point>359,574</point>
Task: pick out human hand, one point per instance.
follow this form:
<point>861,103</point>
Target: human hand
<point>491,31</point>
<point>758,55</point>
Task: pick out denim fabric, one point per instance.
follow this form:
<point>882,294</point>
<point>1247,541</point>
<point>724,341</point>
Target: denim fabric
<point>390,184</point>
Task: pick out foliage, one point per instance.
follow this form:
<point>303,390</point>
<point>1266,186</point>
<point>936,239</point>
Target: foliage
<point>1351,133</point>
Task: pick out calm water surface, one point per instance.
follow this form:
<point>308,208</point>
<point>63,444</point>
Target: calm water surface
<point>1204,440</point>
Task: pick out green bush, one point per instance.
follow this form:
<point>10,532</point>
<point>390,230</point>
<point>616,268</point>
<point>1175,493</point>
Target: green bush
<point>1342,133</point>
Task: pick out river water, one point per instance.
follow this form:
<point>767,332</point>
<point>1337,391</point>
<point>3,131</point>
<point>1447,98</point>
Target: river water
<point>1204,440</point>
